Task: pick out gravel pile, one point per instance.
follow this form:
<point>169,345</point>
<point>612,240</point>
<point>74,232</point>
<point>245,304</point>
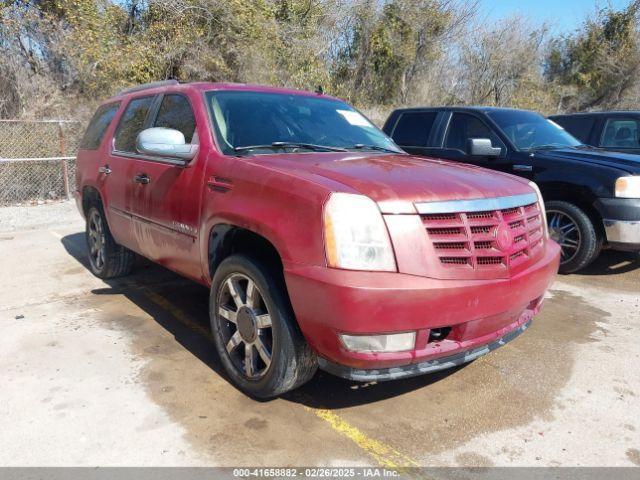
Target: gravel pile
<point>27,217</point>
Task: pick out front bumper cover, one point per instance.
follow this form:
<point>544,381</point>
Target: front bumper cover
<point>621,220</point>
<point>623,235</point>
<point>415,369</point>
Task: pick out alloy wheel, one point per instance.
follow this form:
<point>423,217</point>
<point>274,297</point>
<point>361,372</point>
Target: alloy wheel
<point>564,230</point>
<point>245,325</point>
<point>96,239</point>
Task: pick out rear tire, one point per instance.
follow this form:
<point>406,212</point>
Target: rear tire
<point>107,259</point>
<point>254,330</point>
<point>574,231</point>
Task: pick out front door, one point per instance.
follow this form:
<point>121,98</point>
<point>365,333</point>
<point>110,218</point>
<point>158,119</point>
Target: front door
<point>168,195</point>
<point>462,128</point>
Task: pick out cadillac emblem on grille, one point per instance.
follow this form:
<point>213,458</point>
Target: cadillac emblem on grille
<point>504,238</point>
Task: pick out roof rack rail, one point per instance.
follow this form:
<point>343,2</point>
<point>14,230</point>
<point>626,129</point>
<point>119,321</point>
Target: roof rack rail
<point>145,86</point>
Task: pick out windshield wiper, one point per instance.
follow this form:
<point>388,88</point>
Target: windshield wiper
<point>362,146</point>
<point>281,145</point>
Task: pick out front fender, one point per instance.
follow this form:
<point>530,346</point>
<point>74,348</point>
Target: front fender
<point>284,210</point>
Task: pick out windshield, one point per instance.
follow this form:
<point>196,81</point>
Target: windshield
<point>531,131</point>
<point>287,123</point>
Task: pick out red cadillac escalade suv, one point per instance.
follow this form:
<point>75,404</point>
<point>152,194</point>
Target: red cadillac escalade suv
<point>323,244</point>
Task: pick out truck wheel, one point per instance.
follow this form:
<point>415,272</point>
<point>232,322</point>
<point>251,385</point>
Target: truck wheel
<point>107,259</point>
<point>574,231</point>
<point>254,330</point>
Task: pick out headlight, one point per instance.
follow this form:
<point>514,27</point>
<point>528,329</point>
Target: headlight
<point>545,227</point>
<point>628,187</point>
<point>355,234</point>
<point>395,342</point>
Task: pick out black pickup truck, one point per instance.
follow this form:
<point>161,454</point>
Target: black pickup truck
<point>618,131</point>
<point>592,195</point>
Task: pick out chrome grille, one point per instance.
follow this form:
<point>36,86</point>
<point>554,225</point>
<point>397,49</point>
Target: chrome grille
<point>469,240</point>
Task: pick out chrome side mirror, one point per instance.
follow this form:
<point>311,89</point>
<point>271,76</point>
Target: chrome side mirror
<point>165,142</point>
<point>482,147</point>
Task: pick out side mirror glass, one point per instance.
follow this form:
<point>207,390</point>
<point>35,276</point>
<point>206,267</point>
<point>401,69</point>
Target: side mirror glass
<point>482,147</point>
<point>165,142</point>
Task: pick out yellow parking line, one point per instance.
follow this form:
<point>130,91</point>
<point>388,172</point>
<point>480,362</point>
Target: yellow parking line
<point>385,455</point>
<point>176,312</point>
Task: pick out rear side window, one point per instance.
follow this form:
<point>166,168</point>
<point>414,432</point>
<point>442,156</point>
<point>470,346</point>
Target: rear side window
<point>131,123</point>
<point>620,133</point>
<point>98,125</point>
<point>176,113</point>
<point>413,128</point>
<point>579,126</point>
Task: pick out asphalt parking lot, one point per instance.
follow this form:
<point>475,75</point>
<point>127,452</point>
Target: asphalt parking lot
<point>123,373</point>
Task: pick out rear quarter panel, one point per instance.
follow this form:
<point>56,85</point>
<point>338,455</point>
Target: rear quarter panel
<point>88,161</point>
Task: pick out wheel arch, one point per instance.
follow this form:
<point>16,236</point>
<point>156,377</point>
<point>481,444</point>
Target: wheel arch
<point>581,197</point>
<point>90,196</point>
<point>227,239</point>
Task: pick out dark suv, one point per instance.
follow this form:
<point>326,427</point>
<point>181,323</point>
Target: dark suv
<point>617,131</point>
<point>592,196</point>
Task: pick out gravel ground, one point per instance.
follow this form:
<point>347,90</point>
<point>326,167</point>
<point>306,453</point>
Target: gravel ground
<point>123,373</point>
<point>29,217</point>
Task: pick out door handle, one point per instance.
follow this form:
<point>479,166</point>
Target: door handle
<point>220,184</point>
<point>523,168</point>
<point>142,178</point>
<point>105,169</point>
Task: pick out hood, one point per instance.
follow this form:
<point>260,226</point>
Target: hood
<point>388,178</point>
<point>624,161</point>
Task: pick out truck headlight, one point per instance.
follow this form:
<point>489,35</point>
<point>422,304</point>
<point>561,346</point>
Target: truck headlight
<point>628,187</point>
<point>355,234</point>
<point>395,342</point>
<point>545,227</point>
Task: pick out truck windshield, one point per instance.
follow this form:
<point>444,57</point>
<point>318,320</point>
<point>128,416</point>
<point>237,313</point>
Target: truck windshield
<point>531,131</point>
<point>261,122</point>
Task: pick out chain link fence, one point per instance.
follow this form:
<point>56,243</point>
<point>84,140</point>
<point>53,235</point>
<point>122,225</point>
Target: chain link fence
<point>37,160</point>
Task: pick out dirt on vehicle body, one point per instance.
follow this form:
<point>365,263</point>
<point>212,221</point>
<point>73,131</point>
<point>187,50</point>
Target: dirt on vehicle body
<point>322,243</point>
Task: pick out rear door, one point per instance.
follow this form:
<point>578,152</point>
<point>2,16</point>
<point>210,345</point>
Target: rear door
<point>167,205</point>
<point>580,126</point>
<point>415,131</point>
<point>117,185</point>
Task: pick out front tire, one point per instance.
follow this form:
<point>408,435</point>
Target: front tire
<point>574,231</point>
<point>107,259</point>
<point>254,330</point>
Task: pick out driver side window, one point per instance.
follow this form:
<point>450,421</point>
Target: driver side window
<point>463,127</point>
<point>620,133</point>
<point>175,112</point>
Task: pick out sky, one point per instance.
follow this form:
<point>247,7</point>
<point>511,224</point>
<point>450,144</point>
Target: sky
<point>562,16</point>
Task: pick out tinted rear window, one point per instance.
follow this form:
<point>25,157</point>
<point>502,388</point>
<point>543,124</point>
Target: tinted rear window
<point>98,125</point>
<point>413,128</point>
<point>131,123</point>
<point>579,126</point>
